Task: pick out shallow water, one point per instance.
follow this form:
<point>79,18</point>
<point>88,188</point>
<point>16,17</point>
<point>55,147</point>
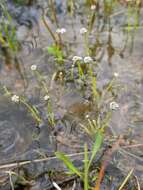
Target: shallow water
<point>19,137</point>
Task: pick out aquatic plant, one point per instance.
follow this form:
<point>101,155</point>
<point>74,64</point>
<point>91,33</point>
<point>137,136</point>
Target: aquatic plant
<point>85,66</point>
<point>88,160</point>
<point>23,2</point>
<point>8,30</point>
<point>57,52</point>
<point>19,99</point>
<point>38,75</point>
<point>84,32</point>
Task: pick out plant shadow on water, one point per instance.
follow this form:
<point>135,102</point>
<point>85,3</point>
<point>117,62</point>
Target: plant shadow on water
<point>71,83</point>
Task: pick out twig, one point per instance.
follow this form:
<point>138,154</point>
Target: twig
<point>22,163</point>
<point>138,185</point>
<point>126,179</point>
<point>10,179</point>
<point>107,160</point>
<point>122,151</point>
<point>132,146</point>
<point>56,186</point>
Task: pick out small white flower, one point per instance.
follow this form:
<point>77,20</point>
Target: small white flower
<point>46,97</point>
<point>86,102</point>
<point>76,58</point>
<point>87,59</point>
<point>93,7</point>
<point>87,116</point>
<point>61,30</point>
<point>114,105</point>
<point>116,74</point>
<point>83,30</point>
<point>61,73</point>
<point>15,98</point>
<point>33,67</point>
<point>56,186</point>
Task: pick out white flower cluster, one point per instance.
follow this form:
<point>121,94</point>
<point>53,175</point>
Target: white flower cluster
<point>87,59</point>
<point>61,30</point>
<point>46,97</point>
<point>76,58</point>
<point>93,7</point>
<point>33,67</point>
<point>83,30</point>
<point>15,98</point>
<point>116,75</point>
<point>114,105</point>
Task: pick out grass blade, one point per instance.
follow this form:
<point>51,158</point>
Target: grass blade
<point>86,168</point>
<point>68,163</point>
<point>96,146</point>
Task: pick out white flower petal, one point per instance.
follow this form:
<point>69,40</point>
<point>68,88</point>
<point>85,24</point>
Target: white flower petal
<point>33,67</point>
<point>61,30</point>
<point>15,98</point>
<point>76,58</point>
<point>116,74</point>
<point>114,105</point>
<point>93,7</point>
<point>83,30</point>
<point>87,59</point>
<point>46,97</point>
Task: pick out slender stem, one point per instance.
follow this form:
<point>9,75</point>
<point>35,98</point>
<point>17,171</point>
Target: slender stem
<point>54,13</point>
<point>86,43</point>
<point>55,20</point>
<point>32,110</point>
<point>42,81</point>
<point>48,28</point>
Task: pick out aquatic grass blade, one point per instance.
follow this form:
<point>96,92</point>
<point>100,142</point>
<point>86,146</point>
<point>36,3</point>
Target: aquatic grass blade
<point>96,146</point>
<point>56,51</point>
<point>86,168</point>
<point>68,163</point>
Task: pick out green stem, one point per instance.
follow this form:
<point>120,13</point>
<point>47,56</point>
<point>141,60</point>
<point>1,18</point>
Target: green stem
<point>86,43</point>
<point>34,111</point>
<point>41,80</point>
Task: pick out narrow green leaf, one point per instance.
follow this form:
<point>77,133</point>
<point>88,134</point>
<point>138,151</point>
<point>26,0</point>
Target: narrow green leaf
<point>51,50</point>
<point>96,146</point>
<point>86,168</point>
<point>68,163</point>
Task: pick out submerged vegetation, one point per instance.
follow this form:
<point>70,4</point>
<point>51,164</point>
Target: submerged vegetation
<point>66,92</point>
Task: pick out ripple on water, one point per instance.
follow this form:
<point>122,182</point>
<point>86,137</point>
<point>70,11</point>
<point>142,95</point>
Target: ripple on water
<point>15,130</point>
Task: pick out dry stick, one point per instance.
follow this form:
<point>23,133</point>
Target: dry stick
<point>22,163</point>
<point>66,180</point>
<point>107,160</point>
<point>138,184</point>
<point>10,179</point>
<point>133,146</point>
<point>123,152</point>
<point>126,179</point>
